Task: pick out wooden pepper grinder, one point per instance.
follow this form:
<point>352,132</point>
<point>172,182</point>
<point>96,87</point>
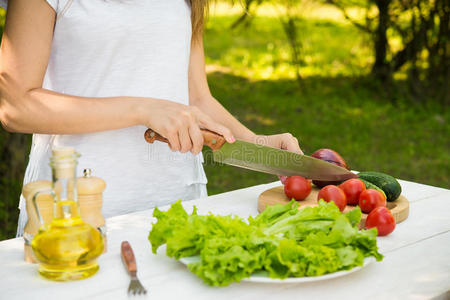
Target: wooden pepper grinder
<point>44,200</point>
<point>90,198</point>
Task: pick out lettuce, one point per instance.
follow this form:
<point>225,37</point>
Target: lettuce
<point>292,259</point>
<point>168,222</point>
<point>283,241</point>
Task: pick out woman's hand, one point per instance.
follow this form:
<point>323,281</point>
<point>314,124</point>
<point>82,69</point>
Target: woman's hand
<point>181,124</point>
<point>285,141</point>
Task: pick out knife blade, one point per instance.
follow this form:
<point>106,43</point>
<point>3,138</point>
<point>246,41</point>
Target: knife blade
<point>279,162</point>
<point>266,159</point>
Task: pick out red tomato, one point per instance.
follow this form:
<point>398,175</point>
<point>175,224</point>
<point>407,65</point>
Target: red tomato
<point>297,187</point>
<point>352,189</point>
<point>382,219</point>
<point>371,199</point>
<point>335,194</point>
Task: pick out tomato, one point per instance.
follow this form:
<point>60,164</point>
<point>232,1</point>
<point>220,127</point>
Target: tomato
<point>382,219</point>
<point>371,199</point>
<point>352,189</point>
<point>335,194</point>
<point>297,187</point>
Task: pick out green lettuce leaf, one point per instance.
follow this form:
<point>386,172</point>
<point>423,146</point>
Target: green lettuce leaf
<point>293,260</point>
<point>354,216</point>
<point>168,222</point>
<point>225,260</point>
<point>299,223</point>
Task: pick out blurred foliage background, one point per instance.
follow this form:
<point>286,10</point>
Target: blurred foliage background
<point>367,78</point>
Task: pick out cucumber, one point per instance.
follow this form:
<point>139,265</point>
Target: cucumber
<point>387,183</point>
<point>372,186</point>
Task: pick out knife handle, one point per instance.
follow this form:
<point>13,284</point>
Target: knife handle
<point>128,257</point>
<point>211,139</point>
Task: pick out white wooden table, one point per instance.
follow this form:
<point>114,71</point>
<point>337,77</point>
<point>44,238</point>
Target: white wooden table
<point>416,263</point>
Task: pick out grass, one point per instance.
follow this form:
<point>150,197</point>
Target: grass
<point>340,107</point>
<point>261,51</point>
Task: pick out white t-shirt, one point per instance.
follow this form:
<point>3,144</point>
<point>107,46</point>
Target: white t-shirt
<point>106,48</point>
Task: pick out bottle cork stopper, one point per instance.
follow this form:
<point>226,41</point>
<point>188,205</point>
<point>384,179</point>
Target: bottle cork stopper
<point>63,151</point>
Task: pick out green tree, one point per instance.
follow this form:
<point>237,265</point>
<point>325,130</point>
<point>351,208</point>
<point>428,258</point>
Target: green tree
<point>423,28</point>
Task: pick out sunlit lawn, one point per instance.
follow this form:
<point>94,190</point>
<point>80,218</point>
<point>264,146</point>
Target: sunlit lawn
<point>339,107</point>
<point>329,48</point>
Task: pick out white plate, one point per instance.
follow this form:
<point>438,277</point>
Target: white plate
<point>263,277</point>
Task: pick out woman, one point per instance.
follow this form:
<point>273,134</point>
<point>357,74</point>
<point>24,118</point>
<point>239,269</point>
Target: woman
<point>95,74</point>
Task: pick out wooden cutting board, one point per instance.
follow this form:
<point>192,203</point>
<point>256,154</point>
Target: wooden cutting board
<point>399,208</point>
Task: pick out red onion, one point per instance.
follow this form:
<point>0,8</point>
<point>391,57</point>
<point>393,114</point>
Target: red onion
<point>331,157</point>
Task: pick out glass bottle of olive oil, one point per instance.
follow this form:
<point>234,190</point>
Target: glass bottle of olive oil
<point>67,248</point>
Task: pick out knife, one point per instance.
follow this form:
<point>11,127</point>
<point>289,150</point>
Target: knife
<point>265,159</point>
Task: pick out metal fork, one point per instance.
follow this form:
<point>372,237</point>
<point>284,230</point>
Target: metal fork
<point>129,260</point>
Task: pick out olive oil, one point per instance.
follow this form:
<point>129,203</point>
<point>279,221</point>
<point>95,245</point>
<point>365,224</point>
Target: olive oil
<point>67,248</point>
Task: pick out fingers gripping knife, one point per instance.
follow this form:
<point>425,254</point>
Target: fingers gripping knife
<point>211,139</point>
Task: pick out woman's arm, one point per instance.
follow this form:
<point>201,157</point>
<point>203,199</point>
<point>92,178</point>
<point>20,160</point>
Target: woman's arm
<point>26,107</point>
<point>200,96</point>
